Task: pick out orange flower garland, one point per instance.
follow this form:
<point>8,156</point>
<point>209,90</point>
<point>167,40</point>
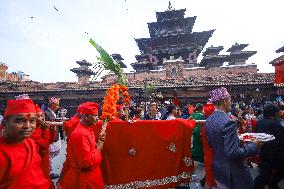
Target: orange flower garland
<point>110,101</point>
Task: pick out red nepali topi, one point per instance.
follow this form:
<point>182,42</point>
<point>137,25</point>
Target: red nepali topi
<point>89,108</point>
<point>19,106</point>
<point>37,108</point>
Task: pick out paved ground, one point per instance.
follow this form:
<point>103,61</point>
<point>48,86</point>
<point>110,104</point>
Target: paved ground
<point>194,185</point>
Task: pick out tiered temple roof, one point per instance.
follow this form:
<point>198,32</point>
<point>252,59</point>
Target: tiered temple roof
<point>280,50</point>
<point>118,59</point>
<point>212,58</point>
<point>171,35</point>
<point>237,55</point>
<point>83,69</point>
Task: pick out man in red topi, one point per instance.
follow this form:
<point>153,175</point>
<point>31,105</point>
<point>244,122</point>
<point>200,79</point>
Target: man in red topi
<point>19,158</point>
<point>69,127</point>
<point>85,158</point>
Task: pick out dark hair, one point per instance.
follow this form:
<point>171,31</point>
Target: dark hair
<point>185,111</point>
<point>171,107</point>
<point>198,107</point>
<point>270,110</point>
<point>234,112</point>
<point>137,111</point>
<point>152,103</point>
<point>219,102</point>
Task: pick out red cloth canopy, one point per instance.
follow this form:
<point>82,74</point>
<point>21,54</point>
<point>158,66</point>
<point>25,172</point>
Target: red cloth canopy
<point>153,154</point>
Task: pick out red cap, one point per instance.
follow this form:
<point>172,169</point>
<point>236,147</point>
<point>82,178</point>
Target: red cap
<point>37,108</point>
<point>19,106</point>
<point>79,108</point>
<point>89,108</point>
<point>119,107</point>
<point>208,109</point>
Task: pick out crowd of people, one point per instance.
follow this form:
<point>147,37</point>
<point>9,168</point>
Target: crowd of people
<point>30,140</point>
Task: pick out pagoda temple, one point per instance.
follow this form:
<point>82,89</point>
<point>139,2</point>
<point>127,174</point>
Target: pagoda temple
<point>119,60</point>
<point>170,36</point>
<point>211,57</point>
<point>83,72</point>
<point>237,55</point>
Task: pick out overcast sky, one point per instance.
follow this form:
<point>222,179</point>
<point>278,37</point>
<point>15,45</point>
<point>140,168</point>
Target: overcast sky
<point>45,43</point>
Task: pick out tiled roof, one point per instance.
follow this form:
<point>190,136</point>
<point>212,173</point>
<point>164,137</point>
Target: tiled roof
<point>218,80</point>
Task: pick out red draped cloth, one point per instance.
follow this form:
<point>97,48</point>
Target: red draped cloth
<point>43,138</point>
<point>154,154</point>
<point>20,166</point>
<point>208,157</point>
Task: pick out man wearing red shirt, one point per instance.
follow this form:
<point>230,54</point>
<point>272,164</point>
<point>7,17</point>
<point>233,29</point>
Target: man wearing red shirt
<point>85,158</point>
<point>19,158</point>
<point>44,135</point>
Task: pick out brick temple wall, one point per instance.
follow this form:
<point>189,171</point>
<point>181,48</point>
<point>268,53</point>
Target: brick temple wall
<point>3,69</point>
<point>4,75</point>
<point>186,72</point>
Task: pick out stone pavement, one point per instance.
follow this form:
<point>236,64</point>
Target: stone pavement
<point>199,169</point>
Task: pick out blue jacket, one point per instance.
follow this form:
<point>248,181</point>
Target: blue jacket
<point>228,157</point>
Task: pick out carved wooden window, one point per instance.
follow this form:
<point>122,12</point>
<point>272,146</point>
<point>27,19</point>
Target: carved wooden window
<point>174,73</point>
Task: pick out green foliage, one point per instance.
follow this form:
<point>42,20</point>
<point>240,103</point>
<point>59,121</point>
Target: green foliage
<point>149,89</point>
<point>107,63</point>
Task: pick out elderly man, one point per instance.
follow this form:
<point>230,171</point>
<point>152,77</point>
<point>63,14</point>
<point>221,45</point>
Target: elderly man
<point>54,148</point>
<point>228,155</point>
<point>19,159</point>
<point>153,112</point>
<point>84,156</point>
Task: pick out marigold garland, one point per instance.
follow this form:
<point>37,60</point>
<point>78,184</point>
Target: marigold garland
<point>110,101</point>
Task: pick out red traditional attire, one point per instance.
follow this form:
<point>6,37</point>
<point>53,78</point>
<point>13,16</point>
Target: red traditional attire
<point>191,109</point>
<point>208,109</point>
<point>20,162</point>
<point>70,125</point>
<point>84,171</point>
<point>208,156</point>
<point>20,166</point>
<point>84,157</point>
<point>43,138</point>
